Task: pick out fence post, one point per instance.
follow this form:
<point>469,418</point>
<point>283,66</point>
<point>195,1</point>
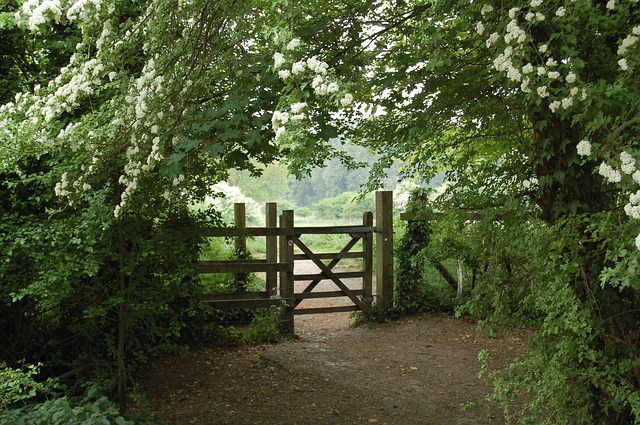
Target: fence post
<point>286,277</point>
<point>272,247</point>
<point>240,221</point>
<point>367,252</point>
<point>384,251</point>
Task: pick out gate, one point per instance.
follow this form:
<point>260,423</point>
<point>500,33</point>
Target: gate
<point>361,298</point>
<point>280,262</point>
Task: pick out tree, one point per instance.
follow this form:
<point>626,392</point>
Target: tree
<point>532,110</point>
<point>519,103</point>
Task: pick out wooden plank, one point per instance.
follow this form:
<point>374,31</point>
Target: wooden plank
<point>235,266</point>
<point>384,251</point>
<point>286,277</point>
<point>337,309</point>
<point>247,304</point>
<point>331,255</point>
<point>327,294</point>
<point>240,244</point>
<point>367,255</point>
<point>327,271</point>
<point>271,221</point>
<point>359,230</point>
<point>322,276</point>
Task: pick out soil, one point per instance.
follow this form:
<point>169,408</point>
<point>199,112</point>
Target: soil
<point>418,370</point>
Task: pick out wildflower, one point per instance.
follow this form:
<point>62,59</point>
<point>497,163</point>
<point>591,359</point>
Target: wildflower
<point>611,4</point>
<point>543,48</point>
<point>553,75</point>
<point>536,3</point>
<point>561,12</point>
<point>480,28</point>
<point>570,78</point>
<point>553,106</point>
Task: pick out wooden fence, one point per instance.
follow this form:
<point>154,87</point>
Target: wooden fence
<point>282,236</point>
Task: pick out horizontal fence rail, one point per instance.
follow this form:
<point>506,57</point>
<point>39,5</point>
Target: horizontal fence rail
<point>280,260</point>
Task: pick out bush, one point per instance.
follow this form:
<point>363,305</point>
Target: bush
<point>21,401</point>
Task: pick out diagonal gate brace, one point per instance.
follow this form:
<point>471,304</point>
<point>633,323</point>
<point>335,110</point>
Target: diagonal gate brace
<point>327,271</point>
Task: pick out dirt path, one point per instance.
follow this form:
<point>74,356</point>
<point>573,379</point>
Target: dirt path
<point>419,370</point>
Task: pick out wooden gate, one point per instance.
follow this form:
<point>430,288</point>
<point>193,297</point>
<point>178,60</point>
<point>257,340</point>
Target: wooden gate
<point>361,299</point>
<point>280,261</point>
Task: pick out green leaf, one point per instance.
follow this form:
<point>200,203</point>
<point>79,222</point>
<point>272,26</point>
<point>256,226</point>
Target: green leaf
<point>214,149</point>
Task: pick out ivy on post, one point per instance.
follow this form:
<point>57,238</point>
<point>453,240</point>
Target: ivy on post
<point>240,245</point>
<point>384,251</point>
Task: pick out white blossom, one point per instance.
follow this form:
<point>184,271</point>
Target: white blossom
<point>553,106</point>
<point>570,78</point>
<point>542,91</point>
<point>584,148</point>
<point>567,102</point>
<point>284,74</point>
<point>553,75</point>
<point>623,64</point>
<point>480,27</point>
<point>293,44</point>
<point>536,3</point>
<point>626,43</point>
<point>543,48</point>
<point>486,8</point>
<point>298,67</point>
<point>492,39</point>
<point>611,4</point>
<point>278,60</point>
<point>332,87</point>
<point>561,11</point>
<point>346,100</point>
<point>609,173</point>
<point>296,108</point>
